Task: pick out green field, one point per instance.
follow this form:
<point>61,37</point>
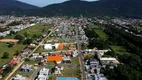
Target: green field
<point>11,51</point>
<point>139,27</point>
<point>95,27</point>
<point>70,69</point>
<point>101,34</point>
<point>37,29</point>
<point>99,31</point>
<point>119,50</point>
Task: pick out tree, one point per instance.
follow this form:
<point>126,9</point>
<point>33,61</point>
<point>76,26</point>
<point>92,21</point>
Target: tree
<point>17,53</point>
<point>28,41</point>
<point>5,55</point>
<point>27,34</point>
<point>19,37</point>
<point>10,45</point>
<point>7,70</point>
<point>12,32</point>
<point>122,72</point>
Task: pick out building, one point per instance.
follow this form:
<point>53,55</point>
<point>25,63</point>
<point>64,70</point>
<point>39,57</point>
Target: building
<point>58,46</point>
<point>19,77</point>
<point>26,68</point>
<point>55,58</point>
<point>43,74</point>
<point>67,59</point>
<point>105,60</point>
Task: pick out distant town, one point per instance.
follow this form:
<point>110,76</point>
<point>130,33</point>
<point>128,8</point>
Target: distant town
<point>70,48</point>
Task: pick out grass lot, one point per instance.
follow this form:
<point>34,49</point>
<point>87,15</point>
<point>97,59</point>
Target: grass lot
<point>70,69</point>
<point>37,29</point>
<point>99,31</point>
<point>94,26</point>
<point>11,51</point>
<point>119,50</point>
<point>139,27</point>
<point>75,60</point>
<point>101,34</point>
<point>34,30</point>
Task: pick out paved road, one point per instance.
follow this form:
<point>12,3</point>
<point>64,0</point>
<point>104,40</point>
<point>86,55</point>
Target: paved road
<point>33,76</point>
<point>18,66</point>
<point>14,70</point>
<point>81,57</point>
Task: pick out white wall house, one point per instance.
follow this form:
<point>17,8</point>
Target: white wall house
<point>43,74</point>
<point>51,46</point>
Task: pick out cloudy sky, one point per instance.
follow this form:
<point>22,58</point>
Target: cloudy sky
<point>42,3</point>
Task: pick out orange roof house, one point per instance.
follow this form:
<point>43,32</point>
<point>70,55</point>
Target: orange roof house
<point>13,62</point>
<point>1,71</point>
<point>68,53</point>
<point>60,46</point>
<point>57,58</point>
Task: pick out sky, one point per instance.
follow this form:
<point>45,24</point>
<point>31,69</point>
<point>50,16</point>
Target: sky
<point>42,3</point>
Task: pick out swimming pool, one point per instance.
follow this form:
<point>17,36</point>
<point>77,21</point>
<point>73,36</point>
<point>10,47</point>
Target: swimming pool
<point>66,78</point>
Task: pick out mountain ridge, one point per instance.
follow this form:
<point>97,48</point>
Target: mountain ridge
<point>127,8</point>
<point>112,8</point>
<point>8,7</point>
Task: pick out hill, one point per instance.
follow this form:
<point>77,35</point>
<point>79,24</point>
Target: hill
<point>14,6</point>
<point>125,8</point>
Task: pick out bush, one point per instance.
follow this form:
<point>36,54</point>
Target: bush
<point>5,55</point>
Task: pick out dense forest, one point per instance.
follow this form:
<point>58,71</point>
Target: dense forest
<point>131,66</point>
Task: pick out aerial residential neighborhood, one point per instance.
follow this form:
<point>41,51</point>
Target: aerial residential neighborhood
<point>56,54</point>
<point>70,40</point>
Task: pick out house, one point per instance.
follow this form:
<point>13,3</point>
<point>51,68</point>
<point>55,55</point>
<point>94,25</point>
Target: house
<point>58,70</point>
<point>19,77</point>
<point>67,59</point>
<point>75,53</point>
<point>45,53</point>
<point>68,53</point>
<point>105,60</point>
<point>13,62</point>
<point>25,52</point>
<point>101,52</point>
<point>36,57</point>
<point>26,68</point>
<point>2,34</point>
<point>55,58</point>
<point>94,63</point>
<point>43,74</point>
<point>58,46</point>
<point>1,70</point>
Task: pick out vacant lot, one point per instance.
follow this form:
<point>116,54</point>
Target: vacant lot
<point>70,69</point>
<point>99,31</point>
<point>11,51</point>
<point>101,34</point>
<point>37,29</point>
